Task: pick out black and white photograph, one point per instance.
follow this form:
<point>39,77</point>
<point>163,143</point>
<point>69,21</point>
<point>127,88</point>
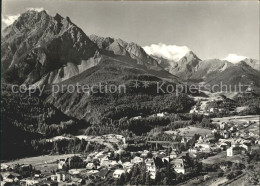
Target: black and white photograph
<point>158,93</point>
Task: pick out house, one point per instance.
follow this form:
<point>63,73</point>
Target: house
<point>210,138</point>
<point>162,153</point>
<point>77,181</point>
<point>167,159</point>
<point>144,154</point>
<point>152,175</point>
<point>194,110</point>
<point>88,159</point>
<point>173,154</point>
<point>180,166</point>
<point>62,176</point>
<point>201,139</point>
<point>137,117</point>
<point>223,125</point>
<point>161,114</point>
<point>76,171</point>
<point>101,157</point>
<point>204,147</point>
<point>118,172</point>
<point>235,150</point>
<point>37,175</point>
<point>206,177</point>
<point>184,140</point>
<point>109,163</point>
<point>62,164</point>
<point>127,166</point>
<point>4,166</point>
<point>232,129</point>
<point>137,160</point>
<point>150,165</point>
<point>225,134</point>
<point>246,146</point>
<point>213,110</point>
<point>249,90</point>
<point>223,146</point>
<point>251,133</point>
<point>54,177</point>
<point>120,151</point>
<point>194,150</point>
<point>232,151</point>
<point>30,181</point>
<point>223,167</point>
<point>90,166</point>
<point>36,181</point>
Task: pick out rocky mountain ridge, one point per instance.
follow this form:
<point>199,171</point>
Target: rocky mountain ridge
<point>213,71</point>
<point>38,46</point>
<point>40,49</point>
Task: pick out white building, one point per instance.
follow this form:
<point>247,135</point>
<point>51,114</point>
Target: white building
<point>151,168</point>
<point>137,160</point>
<point>118,172</point>
<point>127,166</point>
<point>150,165</point>
<point>178,165</point>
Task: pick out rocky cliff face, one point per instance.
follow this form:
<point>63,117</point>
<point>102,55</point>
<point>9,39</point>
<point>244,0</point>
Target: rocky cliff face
<point>236,74</point>
<point>39,47</point>
<point>186,65</point>
<point>183,68</point>
<point>129,52</point>
<point>213,71</point>
<point>255,64</point>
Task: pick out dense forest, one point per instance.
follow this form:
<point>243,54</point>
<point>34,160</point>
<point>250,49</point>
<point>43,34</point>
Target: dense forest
<point>64,146</point>
<point>27,118</point>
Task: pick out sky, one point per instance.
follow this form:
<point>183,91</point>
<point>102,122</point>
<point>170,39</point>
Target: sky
<point>210,29</point>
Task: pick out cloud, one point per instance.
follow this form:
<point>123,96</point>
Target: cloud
<point>9,19</point>
<point>36,9</point>
<point>170,52</point>
<point>233,58</point>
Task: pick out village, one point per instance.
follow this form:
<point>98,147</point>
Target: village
<point>232,140</point>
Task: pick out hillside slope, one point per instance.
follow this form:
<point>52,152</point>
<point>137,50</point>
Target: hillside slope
<point>25,118</point>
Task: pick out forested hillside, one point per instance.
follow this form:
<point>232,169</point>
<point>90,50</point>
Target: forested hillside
<point>102,107</point>
<point>28,117</point>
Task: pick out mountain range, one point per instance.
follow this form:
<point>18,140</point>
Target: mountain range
<point>40,49</point>
<point>191,68</point>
